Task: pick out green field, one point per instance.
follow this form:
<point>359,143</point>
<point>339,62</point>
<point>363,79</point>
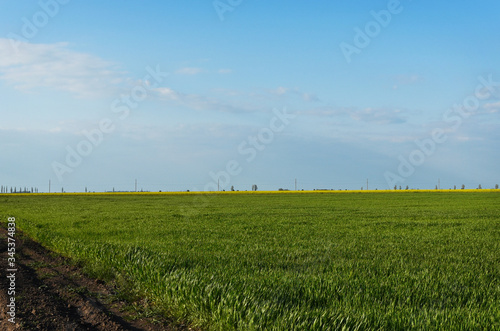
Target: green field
<point>316,261</point>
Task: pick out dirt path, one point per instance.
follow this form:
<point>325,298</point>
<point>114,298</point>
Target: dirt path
<point>52,294</point>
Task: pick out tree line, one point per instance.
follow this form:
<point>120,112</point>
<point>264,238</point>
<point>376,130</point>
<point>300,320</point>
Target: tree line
<point>454,187</point>
<point>7,189</point>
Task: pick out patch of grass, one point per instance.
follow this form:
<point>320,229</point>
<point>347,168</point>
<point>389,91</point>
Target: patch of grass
<point>306,261</point>
<point>47,275</point>
<point>81,290</point>
<point>38,265</point>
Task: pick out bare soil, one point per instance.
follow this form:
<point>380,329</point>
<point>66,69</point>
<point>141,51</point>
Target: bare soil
<point>53,294</point>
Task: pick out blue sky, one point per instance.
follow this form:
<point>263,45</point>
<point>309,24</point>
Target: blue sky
<point>179,94</point>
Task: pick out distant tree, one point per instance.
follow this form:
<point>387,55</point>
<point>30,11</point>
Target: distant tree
<point>395,187</point>
<point>479,187</point>
<point>436,187</point>
<point>496,186</point>
<point>454,187</point>
<point>463,187</point>
<point>232,188</point>
<point>254,187</point>
<point>406,187</point>
<point>400,187</point>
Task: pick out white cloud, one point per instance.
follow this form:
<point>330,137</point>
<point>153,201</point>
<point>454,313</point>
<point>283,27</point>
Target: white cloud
<point>29,66</point>
<point>189,71</point>
<point>224,71</point>
<point>279,91</point>
<point>199,102</point>
<point>284,91</point>
<point>167,93</point>
<point>231,101</point>
<point>407,79</point>
<point>310,97</point>
<point>367,115</point>
<point>402,80</point>
<point>379,116</point>
<point>493,107</point>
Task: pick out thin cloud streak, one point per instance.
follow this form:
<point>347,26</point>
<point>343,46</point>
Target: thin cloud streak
<point>189,71</point>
